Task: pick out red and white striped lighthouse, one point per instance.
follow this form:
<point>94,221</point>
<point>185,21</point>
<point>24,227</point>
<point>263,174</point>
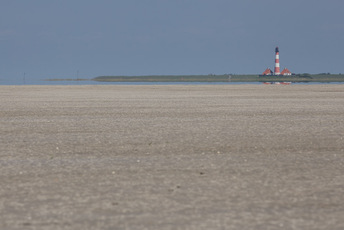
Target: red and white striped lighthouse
<point>277,65</point>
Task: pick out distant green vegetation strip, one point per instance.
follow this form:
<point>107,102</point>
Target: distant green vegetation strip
<point>224,78</point>
<point>166,78</point>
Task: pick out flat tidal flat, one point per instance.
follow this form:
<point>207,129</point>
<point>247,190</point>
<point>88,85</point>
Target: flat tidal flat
<point>172,157</point>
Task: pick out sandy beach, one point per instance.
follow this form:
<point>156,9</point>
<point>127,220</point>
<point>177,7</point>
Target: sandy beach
<point>172,157</point>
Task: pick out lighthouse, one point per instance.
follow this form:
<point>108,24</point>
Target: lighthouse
<point>277,70</point>
<point>277,64</point>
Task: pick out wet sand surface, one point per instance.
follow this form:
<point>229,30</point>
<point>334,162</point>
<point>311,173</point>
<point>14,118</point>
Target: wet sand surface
<point>172,157</point>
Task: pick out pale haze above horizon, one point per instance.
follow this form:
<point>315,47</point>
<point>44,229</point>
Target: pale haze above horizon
<point>62,39</point>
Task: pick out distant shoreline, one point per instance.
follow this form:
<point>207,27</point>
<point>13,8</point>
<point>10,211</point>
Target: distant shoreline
<point>298,78</point>
<point>223,78</point>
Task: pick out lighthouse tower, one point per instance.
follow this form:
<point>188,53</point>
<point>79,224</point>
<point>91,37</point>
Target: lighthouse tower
<point>277,65</point>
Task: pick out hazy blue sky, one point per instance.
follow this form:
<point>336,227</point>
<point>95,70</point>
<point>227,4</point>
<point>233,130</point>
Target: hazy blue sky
<point>57,38</point>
